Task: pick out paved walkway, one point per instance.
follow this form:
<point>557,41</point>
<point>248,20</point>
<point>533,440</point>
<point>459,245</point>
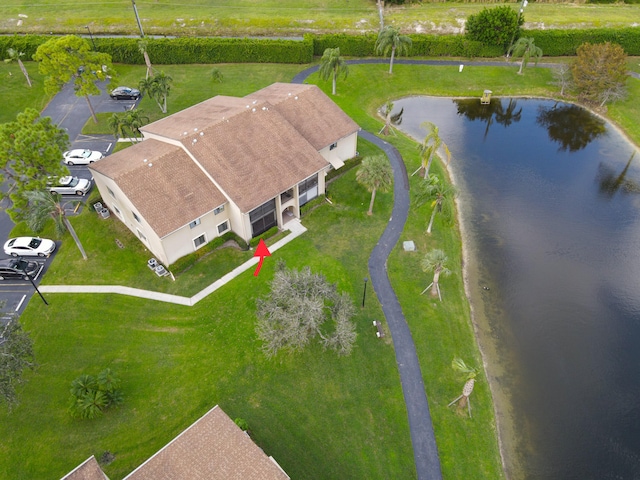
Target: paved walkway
<point>425,451</point>
<point>293,225</point>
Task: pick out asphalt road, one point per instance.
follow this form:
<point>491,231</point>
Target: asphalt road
<point>70,113</point>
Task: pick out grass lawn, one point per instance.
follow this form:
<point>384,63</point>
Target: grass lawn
<point>284,17</point>
<point>321,416</point>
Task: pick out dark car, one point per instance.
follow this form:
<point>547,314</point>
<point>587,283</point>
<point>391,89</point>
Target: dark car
<point>18,268</point>
<point>125,93</point>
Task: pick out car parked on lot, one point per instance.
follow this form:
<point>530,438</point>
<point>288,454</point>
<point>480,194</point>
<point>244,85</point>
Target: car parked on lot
<point>70,185</point>
<point>81,156</point>
<point>18,268</point>
<point>29,247</point>
<point>125,93</point>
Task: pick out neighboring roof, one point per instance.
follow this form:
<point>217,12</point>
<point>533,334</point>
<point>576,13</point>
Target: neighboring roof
<point>88,470</point>
<point>213,448</point>
<point>167,188</point>
<point>313,113</point>
<point>254,155</point>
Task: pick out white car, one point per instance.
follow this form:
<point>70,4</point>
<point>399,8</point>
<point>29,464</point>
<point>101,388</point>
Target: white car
<point>81,156</point>
<point>70,186</point>
<point>29,247</point>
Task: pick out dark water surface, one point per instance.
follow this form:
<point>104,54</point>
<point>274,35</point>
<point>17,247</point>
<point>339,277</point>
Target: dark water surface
<point>551,201</point>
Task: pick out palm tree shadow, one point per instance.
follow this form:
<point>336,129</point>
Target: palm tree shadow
<point>609,183</point>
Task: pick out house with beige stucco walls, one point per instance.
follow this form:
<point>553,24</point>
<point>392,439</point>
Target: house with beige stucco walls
<point>226,164</point>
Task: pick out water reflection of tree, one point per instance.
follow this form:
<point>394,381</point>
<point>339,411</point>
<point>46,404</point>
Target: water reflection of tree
<point>610,183</point>
<point>571,126</point>
<point>494,111</point>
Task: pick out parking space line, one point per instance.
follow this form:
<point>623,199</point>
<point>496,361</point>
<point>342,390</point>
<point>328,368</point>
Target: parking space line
<point>20,304</point>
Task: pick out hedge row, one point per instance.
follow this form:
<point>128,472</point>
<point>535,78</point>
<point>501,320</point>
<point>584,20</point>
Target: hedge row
<point>209,50</point>
<point>184,50</point>
<point>559,43</point>
<point>422,46</point>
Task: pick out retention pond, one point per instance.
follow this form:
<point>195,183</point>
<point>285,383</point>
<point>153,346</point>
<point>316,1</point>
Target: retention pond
<point>550,202</point>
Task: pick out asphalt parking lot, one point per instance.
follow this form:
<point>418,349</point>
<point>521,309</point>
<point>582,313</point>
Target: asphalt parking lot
<point>70,113</point>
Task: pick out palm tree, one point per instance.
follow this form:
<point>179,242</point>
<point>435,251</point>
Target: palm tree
<point>14,55</point>
<point>525,47</point>
<point>157,87</point>
<point>389,38</point>
<point>470,377</point>
<point>375,174</point>
<point>132,121</point>
<point>142,47</point>
<point>116,125</point>
<point>42,206</point>
<point>435,261</point>
<point>430,146</point>
<point>332,65</point>
<point>438,193</point>
<point>390,119</point>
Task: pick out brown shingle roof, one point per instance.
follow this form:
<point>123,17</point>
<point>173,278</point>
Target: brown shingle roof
<point>197,117</point>
<point>87,470</point>
<point>254,155</point>
<point>213,448</point>
<point>168,190</point>
<point>313,114</point>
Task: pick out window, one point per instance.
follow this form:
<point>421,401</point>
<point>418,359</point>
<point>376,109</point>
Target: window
<point>111,192</point>
<point>263,217</point>
<point>117,210</point>
<point>141,235</point>
<point>218,210</point>
<point>199,241</point>
<point>308,189</point>
<point>195,223</point>
<point>136,217</point>
<point>333,145</point>
<point>223,227</point>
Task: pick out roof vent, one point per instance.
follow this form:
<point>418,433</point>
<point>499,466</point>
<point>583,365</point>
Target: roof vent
<point>150,165</point>
<point>145,160</point>
<point>296,97</point>
<point>253,109</point>
<point>201,134</point>
<point>184,133</point>
<point>195,129</point>
<point>255,101</point>
<point>264,108</point>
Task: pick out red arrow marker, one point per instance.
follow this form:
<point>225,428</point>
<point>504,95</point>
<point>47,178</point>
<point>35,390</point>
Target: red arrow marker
<point>262,251</point>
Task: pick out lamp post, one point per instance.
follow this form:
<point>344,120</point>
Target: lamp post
<point>135,10</point>
<point>20,260</point>
<point>91,36</point>
<point>364,293</point>
<point>522,5</point>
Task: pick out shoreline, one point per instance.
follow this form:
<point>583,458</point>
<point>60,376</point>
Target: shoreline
<point>502,409</point>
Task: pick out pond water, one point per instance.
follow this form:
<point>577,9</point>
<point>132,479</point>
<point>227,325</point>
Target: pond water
<point>550,198</point>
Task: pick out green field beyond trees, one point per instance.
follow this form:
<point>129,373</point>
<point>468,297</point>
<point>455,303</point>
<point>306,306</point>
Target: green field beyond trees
<point>284,17</point>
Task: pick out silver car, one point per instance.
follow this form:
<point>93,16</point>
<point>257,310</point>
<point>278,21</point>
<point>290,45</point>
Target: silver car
<point>70,186</point>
